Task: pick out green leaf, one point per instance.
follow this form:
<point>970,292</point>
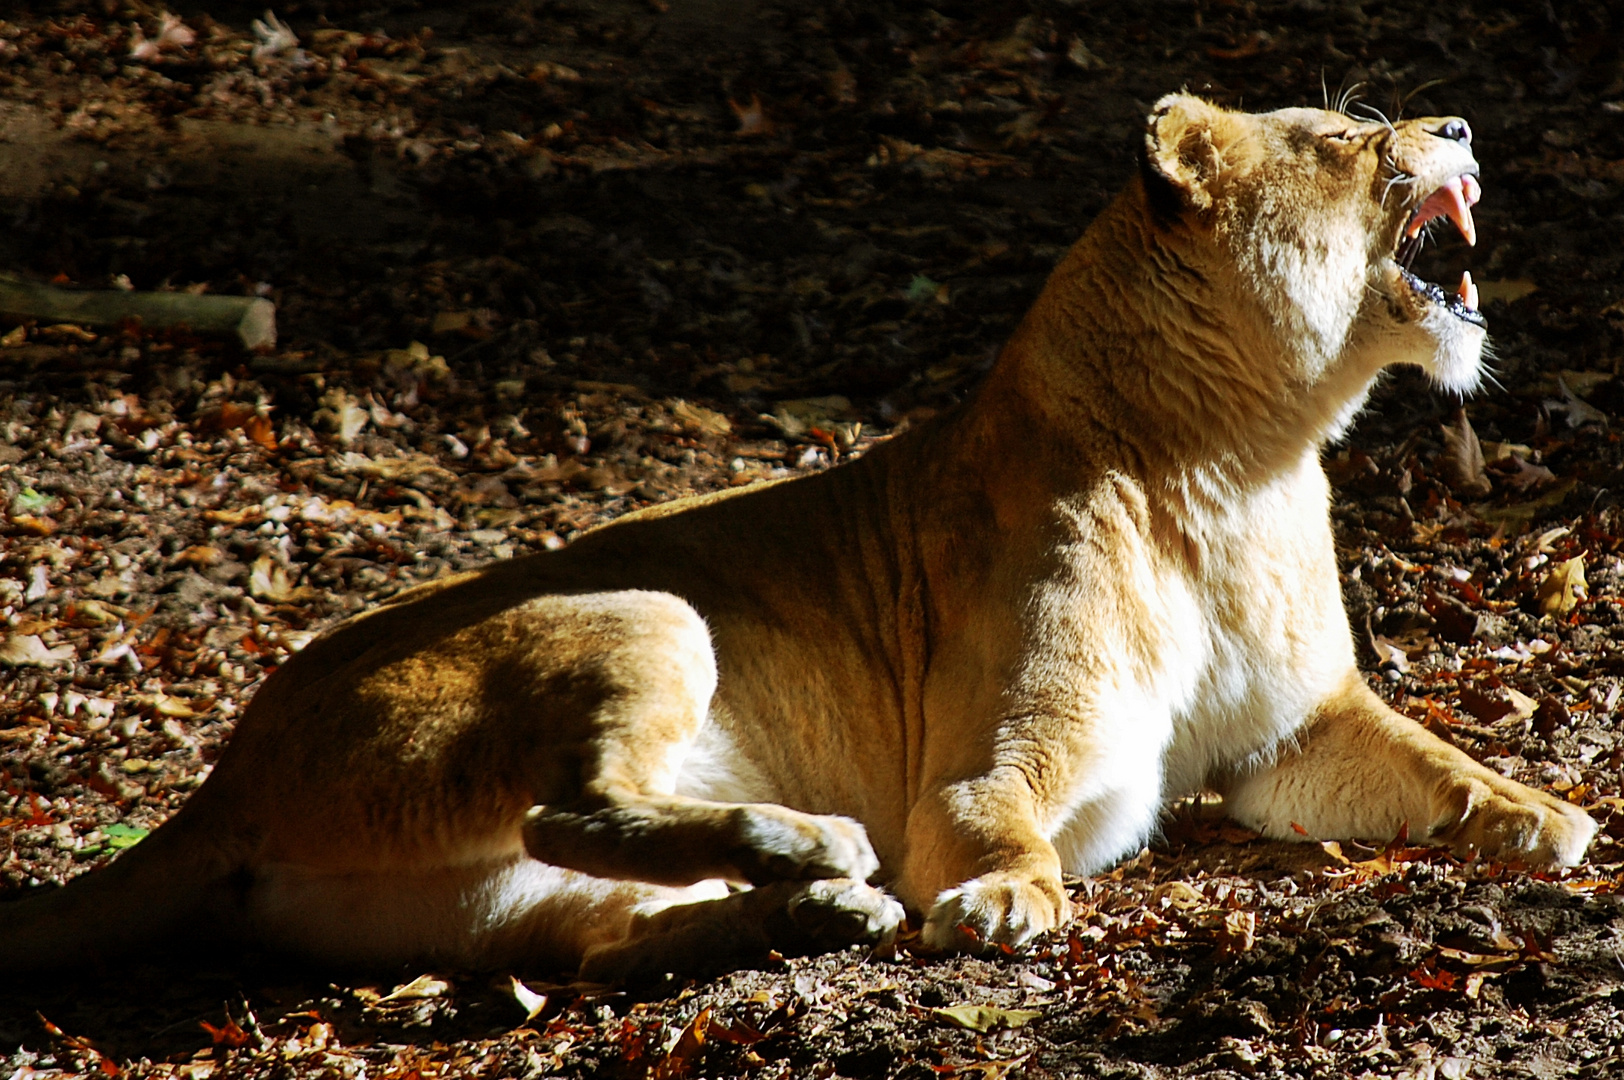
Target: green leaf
<point>921,288</point>
<point>123,836</point>
<point>985,1018</point>
<point>32,501</point>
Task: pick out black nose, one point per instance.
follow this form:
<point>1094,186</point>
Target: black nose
<point>1458,130</point>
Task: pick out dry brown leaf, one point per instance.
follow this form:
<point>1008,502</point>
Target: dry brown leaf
<point>424,986</point>
<point>269,580</point>
<point>707,421</point>
<point>32,525</point>
<point>1521,475</point>
<point>1238,932</point>
<point>985,1018</point>
<point>202,556</point>
<point>752,116</point>
<point>1462,459</point>
<point>527,998</point>
<point>27,650</point>
<point>1564,588</point>
<point>1519,518</point>
<point>1492,705</point>
<point>1579,411</point>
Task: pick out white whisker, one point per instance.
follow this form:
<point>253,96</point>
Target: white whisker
<point>1373,113</point>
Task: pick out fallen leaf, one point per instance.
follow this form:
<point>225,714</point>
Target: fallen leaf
<point>1520,516</point>
<point>1564,588</point>
<point>424,986</point>
<point>1579,411</point>
<point>1462,460</point>
<point>39,583</point>
<point>1079,56</point>
<point>229,1034</point>
<point>528,999</point>
<point>679,1058</point>
<point>202,556</point>
<point>406,467</point>
<point>123,836</point>
<point>752,117</point>
<point>922,288</point>
<point>1238,932</point>
<point>993,1069</point>
<point>708,421</point>
<point>1521,475</point>
<point>69,332</point>
<point>985,1018</point>
<point>232,517</point>
<point>1499,704</point>
<point>165,705</point>
<point>1476,960</point>
<point>33,526</point>
<point>1179,895</point>
<point>27,650</point>
<point>1430,977</point>
<point>342,414</point>
<point>269,580</point>
<point>260,431</point>
<point>1389,654</point>
<point>798,416</point>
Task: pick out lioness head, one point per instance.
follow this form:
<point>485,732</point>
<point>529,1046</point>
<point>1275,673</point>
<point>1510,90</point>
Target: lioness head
<point>1322,215</point>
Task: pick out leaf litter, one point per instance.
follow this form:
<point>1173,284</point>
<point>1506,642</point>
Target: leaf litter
<point>622,258</point>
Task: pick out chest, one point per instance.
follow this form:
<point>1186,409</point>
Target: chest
<point>1257,630</point>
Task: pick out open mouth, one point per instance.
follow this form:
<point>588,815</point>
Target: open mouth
<point>1454,201</point>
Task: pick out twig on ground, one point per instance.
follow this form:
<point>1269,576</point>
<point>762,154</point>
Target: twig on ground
<point>252,319</point>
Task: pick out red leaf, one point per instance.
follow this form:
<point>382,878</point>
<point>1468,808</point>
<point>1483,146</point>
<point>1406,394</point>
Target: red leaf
<point>228,1034</point>
<point>39,816</point>
<point>1430,978</point>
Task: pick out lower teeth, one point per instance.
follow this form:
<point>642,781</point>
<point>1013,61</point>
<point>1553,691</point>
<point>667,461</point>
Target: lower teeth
<point>1437,295</point>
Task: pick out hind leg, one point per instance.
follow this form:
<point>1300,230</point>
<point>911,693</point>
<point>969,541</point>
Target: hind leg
<point>654,670</point>
<point>523,913</point>
<point>708,937</point>
<point>505,913</point>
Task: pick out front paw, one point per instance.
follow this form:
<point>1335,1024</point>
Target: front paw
<point>778,844</point>
<point>1501,819</point>
<point>995,909</point>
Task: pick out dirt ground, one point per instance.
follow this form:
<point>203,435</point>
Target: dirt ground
<point>537,264</point>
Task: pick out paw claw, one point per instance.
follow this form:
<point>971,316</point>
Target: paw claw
<point>1514,823</point>
<point>993,910</point>
<point>783,845</point>
<point>837,913</point>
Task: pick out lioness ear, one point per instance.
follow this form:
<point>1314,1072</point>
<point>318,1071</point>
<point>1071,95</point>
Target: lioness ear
<point>1183,153</point>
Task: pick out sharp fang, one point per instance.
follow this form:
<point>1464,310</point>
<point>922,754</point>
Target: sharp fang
<point>1467,291</point>
<point>1454,200</point>
<point>1459,211</point>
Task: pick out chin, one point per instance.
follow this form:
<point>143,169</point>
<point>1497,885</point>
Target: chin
<point>1456,361</point>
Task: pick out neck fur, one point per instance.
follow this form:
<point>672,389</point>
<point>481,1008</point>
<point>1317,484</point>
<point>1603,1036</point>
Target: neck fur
<point>1135,347</point>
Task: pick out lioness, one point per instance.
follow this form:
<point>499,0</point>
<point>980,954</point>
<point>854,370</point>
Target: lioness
<point>988,652</point>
